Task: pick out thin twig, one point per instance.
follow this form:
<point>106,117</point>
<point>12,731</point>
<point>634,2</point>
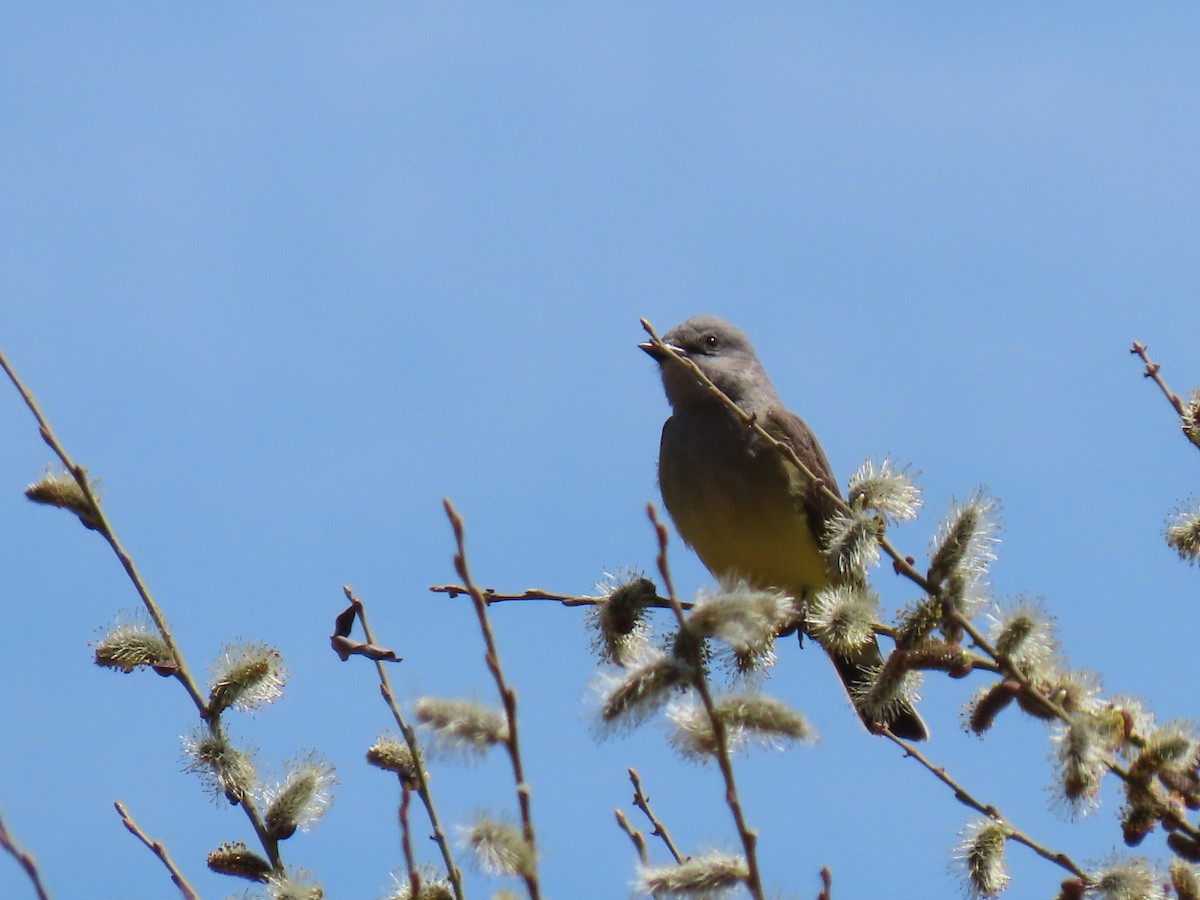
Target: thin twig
<point>638,839</point>
<point>159,850</point>
<point>507,695</point>
<point>961,795</point>
<point>490,596</point>
<point>1152,372</point>
<point>658,829</point>
<point>826,884</point>
<point>414,877</point>
<point>453,873</point>
<point>24,859</point>
<point>747,834</point>
<point>1187,414</point>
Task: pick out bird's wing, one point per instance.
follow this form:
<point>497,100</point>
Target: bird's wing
<point>790,429</point>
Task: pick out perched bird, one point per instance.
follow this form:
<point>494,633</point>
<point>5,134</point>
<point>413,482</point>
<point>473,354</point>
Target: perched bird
<point>746,510</point>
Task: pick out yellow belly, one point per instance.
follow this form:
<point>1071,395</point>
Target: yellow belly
<point>776,551</point>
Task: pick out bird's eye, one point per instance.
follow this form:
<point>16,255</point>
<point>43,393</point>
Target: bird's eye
<point>711,342</point>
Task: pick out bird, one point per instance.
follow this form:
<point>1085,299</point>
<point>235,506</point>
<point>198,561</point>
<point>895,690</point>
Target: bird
<point>747,511</point>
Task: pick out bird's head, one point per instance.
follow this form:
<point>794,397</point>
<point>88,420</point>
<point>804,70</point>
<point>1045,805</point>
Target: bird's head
<point>722,352</point>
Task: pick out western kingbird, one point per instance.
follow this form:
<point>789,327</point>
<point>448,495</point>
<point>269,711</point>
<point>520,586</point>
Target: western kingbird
<point>745,509</point>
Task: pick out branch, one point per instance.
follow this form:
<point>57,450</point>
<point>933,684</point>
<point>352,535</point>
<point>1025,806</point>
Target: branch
<point>507,695</point>
<point>659,830</point>
<point>421,779</point>
<point>1152,372</point>
<point>826,884</point>
<point>638,839</point>
<point>159,850</point>
<point>720,738</point>
<point>97,521</point>
<point>961,795</point>
<point>1168,814</point>
<point>24,859</point>
<point>1188,413</point>
<point>490,596</point>
<point>414,878</point>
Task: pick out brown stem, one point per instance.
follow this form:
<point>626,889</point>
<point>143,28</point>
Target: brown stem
<point>414,877</point>
<point>159,850</point>
<point>638,839</point>
<point>747,834</point>
<point>658,829</point>
<point>453,873</point>
<point>490,596</point>
<point>99,522</point>
<point>1152,372</point>
<point>25,860</point>
<point>961,795</point>
<point>508,697</point>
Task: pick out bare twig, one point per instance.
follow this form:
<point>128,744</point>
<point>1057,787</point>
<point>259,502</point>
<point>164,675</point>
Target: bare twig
<point>453,873</point>
<point>410,863</point>
<point>960,794</point>
<point>1187,413</point>
<point>508,697</point>
<point>826,884</point>
<point>490,596</point>
<point>159,850</point>
<point>24,859</point>
<point>658,829</point>
<point>638,839</point>
<point>747,834</point>
<point>1152,372</point>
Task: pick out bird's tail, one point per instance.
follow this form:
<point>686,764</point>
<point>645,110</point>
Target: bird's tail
<point>858,671</point>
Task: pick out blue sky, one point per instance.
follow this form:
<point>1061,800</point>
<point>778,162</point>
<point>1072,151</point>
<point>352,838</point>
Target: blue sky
<point>283,276</point>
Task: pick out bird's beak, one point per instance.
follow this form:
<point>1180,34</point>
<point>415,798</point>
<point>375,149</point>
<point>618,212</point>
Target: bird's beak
<point>656,350</point>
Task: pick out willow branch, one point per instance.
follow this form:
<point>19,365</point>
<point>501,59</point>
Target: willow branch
<point>490,596</point>
<point>1168,813</point>
<point>638,839</point>
<point>420,777</point>
<point>1188,414</point>
<point>507,695</point>
<point>410,863</point>
<point>658,829</point>
<point>748,835</point>
<point>24,859</point>
<point>962,796</point>
<point>99,522</point>
<point>1152,372</point>
<point>159,850</point>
